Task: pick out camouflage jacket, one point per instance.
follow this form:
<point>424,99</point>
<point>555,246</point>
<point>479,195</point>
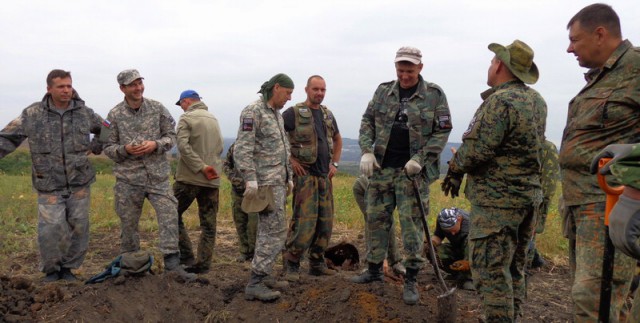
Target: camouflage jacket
<point>502,148</point>
<point>429,121</point>
<point>606,111</point>
<point>58,144</point>
<point>200,144</point>
<point>262,148</point>
<point>232,173</point>
<point>152,121</point>
<point>627,169</point>
<point>550,171</point>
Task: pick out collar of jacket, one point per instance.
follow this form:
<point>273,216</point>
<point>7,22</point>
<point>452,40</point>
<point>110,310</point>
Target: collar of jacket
<point>515,82</point>
<point>420,91</point>
<point>197,106</point>
<point>76,102</point>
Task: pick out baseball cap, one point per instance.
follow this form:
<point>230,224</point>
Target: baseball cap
<point>127,76</point>
<point>188,94</point>
<point>409,54</point>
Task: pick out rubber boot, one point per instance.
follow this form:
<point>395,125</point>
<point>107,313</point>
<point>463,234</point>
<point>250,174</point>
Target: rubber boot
<point>319,268</point>
<point>292,270</point>
<point>172,264</point>
<point>410,293</point>
<point>372,274</point>
<point>256,289</point>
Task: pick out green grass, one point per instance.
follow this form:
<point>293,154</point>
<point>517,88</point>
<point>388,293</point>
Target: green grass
<point>18,209</point>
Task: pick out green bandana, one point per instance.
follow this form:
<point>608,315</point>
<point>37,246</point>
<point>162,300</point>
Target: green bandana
<point>281,78</point>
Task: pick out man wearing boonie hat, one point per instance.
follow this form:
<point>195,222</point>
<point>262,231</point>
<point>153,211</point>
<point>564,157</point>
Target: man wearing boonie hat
<point>141,132</point>
<point>200,145</point>
<point>261,156</point>
<point>453,224</point>
<point>500,153</point>
<point>403,130</point>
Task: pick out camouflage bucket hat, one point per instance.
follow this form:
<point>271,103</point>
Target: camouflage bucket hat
<point>518,57</point>
<point>262,201</point>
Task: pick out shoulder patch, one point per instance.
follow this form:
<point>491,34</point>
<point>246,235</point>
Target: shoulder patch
<point>471,125</point>
<point>106,123</point>
<point>444,121</point>
<point>247,124</point>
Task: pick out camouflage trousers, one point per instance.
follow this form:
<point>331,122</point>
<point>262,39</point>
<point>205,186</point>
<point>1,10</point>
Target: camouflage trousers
<point>246,224</point>
<point>449,254</point>
<point>312,220</point>
<point>272,233</point>
<point>390,188</point>
<point>207,198</point>
<point>498,258</point>
<point>634,316</point>
<point>129,200</point>
<point>585,227</point>
<point>359,193</point>
<point>63,229</point>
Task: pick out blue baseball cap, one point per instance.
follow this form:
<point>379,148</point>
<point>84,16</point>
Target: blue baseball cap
<point>188,94</point>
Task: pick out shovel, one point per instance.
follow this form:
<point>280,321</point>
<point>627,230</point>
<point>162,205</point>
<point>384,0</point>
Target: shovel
<point>447,307</point>
<point>609,251</point>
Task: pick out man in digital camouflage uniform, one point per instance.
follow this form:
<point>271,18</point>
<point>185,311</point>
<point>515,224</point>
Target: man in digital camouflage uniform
<point>316,146</point>
<point>394,259</point>
<point>246,223</point>
<point>262,157</point>
<point>58,129</point>
<point>500,153</point>
<point>141,132</point>
<point>605,111</point>
<point>403,130</point>
<point>548,180</point>
<point>624,219</point>
<point>200,145</point>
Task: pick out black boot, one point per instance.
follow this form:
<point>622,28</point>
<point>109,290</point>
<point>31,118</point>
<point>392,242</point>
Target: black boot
<point>292,271</point>
<point>372,274</point>
<point>410,293</point>
<point>66,274</point>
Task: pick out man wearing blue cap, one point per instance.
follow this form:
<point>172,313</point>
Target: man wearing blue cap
<point>200,145</point>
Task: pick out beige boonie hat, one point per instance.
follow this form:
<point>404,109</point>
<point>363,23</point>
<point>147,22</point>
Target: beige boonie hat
<point>262,201</point>
<point>519,60</point>
<point>127,76</point>
<point>408,54</point>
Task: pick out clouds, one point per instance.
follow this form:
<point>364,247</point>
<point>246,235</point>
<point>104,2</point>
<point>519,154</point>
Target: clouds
<point>226,49</point>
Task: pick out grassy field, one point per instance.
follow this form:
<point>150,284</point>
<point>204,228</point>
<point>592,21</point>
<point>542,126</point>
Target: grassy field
<point>18,209</point>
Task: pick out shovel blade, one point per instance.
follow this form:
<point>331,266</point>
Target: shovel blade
<point>447,307</point>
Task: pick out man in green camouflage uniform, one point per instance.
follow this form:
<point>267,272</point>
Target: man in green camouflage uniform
<point>624,219</point>
<point>453,224</point>
<point>141,132</point>
<point>500,153</point>
<point>200,146</point>
<point>403,130</point>
<point>605,111</point>
<point>58,129</point>
<point>316,146</point>
<point>394,259</point>
<point>262,157</point>
<point>548,180</point>
<point>246,223</point>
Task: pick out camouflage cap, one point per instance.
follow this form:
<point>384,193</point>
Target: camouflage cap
<point>127,76</point>
<point>263,200</point>
<point>518,57</point>
<point>409,54</point>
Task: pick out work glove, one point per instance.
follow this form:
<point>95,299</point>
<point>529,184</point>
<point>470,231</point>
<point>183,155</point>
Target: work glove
<point>367,164</point>
<point>210,172</point>
<point>460,265</point>
<point>451,183</point>
<point>289,187</point>
<point>412,167</point>
<point>615,152</point>
<point>251,189</point>
<point>624,226</point>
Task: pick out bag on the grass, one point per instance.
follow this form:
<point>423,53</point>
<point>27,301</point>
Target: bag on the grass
<point>127,264</point>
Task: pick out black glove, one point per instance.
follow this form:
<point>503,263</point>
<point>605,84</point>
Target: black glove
<point>451,183</point>
<point>95,146</point>
<point>612,151</point>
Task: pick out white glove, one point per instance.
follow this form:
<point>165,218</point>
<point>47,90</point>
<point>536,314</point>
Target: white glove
<point>367,164</point>
<point>251,189</point>
<point>412,167</point>
<point>289,187</point>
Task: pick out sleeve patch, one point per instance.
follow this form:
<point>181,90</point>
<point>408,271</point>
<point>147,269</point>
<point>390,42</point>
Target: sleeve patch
<point>444,122</point>
<point>247,124</point>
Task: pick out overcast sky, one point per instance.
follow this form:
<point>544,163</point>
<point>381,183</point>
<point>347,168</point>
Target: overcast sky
<point>226,49</point>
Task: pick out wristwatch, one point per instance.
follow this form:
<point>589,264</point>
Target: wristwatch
<point>334,164</point>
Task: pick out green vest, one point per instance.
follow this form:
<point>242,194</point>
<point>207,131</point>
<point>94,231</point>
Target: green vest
<point>303,139</point>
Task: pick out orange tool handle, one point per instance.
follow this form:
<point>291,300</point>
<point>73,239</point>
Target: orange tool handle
<point>612,192</point>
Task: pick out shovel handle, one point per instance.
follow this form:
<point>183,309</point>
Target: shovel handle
<point>613,193</point>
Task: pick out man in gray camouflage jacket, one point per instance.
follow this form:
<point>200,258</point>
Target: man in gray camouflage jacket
<point>58,129</point>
